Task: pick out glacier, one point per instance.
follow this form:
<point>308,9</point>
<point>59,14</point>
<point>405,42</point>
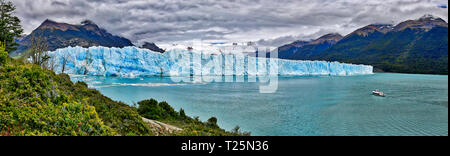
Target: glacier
<point>136,62</point>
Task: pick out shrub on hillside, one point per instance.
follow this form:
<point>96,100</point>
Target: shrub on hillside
<point>39,102</point>
<point>151,109</point>
<point>29,99</point>
<point>162,111</point>
<point>212,122</point>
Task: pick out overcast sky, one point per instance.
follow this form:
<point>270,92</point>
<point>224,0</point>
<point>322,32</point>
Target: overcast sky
<point>275,21</point>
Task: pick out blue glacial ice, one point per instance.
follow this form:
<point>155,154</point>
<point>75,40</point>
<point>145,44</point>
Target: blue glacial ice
<point>134,62</point>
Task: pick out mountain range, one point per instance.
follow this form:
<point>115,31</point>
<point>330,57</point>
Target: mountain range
<point>87,34</point>
<point>413,46</point>
<point>302,50</point>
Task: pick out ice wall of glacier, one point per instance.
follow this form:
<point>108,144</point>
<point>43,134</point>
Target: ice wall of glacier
<point>132,61</point>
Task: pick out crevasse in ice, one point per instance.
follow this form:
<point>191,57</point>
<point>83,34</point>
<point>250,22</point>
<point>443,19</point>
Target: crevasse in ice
<point>132,62</point>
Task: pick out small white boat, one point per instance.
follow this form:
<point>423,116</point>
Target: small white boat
<point>378,93</point>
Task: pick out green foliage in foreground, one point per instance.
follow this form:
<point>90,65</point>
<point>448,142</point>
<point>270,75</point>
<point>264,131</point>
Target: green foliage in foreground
<point>117,115</point>
<point>35,101</point>
<point>163,112</point>
<point>30,100</point>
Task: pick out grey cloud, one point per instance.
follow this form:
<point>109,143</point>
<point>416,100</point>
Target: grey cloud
<point>283,40</point>
<point>56,3</point>
<point>270,22</point>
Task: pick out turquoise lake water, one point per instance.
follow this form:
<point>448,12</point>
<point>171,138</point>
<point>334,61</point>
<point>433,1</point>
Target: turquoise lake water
<point>308,105</point>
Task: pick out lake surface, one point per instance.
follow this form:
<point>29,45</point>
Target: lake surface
<point>308,105</point>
